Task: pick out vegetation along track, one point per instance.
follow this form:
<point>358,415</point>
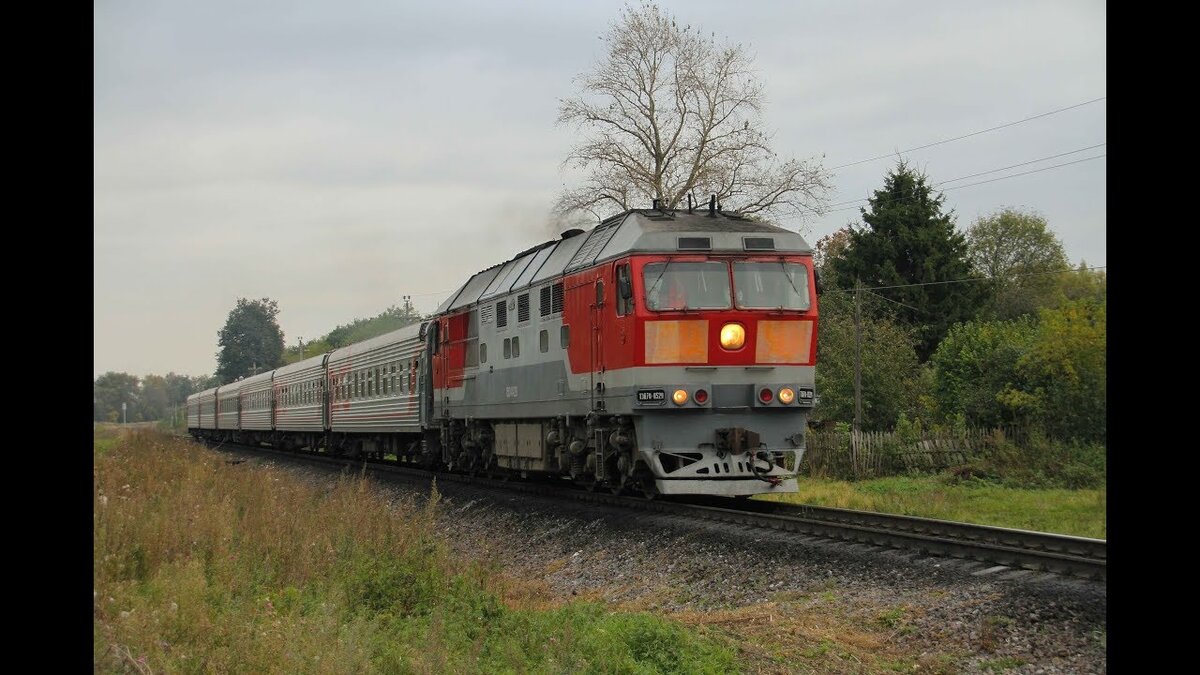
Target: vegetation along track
<point>1056,553</point>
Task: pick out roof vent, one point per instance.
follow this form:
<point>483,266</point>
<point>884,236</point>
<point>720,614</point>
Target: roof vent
<point>567,234</point>
<point>695,243</point>
<point>758,243</point>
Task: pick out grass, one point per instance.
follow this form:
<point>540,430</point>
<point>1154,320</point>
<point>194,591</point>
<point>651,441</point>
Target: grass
<point>205,566</point>
<point>1076,512</point>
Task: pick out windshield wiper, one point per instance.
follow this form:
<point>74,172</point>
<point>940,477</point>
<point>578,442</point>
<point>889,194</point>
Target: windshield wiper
<point>793,283</point>
<point>658,279</point>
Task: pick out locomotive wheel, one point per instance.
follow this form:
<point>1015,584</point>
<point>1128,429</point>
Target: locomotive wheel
<point>644,481</point>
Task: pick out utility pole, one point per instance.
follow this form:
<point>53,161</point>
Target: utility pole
<point>124,416</point>
<point>300,339</point>
<point>854,433</point>
<point>857,359</point>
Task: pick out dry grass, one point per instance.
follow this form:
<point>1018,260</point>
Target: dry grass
<point>203,565</point>
<point>217,566</point>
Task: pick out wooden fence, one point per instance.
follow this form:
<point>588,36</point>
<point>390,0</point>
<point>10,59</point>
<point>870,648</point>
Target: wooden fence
<point>850,455</point>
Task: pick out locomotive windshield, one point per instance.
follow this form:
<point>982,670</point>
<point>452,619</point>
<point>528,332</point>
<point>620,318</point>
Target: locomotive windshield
<point>771,285</point>
<point>686,285</point>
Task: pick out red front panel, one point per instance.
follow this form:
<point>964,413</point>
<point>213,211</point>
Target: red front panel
<point>620,341</point>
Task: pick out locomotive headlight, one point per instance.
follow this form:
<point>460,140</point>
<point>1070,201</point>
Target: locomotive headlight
<point>786,395</point>
<point>733,336</point>
<point>679,397</point>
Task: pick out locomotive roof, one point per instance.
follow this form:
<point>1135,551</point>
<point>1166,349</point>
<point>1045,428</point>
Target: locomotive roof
<point>634,231</point>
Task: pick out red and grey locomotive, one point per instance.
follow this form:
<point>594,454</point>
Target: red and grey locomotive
<point>661,352</point>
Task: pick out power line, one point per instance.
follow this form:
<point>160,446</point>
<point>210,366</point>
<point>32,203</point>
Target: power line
<point>974,133</point>
<point>984,173</point>
<point>1032,161</point>
<point>1024,173</point>
<point>965,280</point>
<point>993,180</point>
<point>915,309</point>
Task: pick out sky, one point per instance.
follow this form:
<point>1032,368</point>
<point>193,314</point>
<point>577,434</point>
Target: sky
<point>337,156</point>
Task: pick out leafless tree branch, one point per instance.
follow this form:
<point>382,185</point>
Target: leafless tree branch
<point>670,111</point>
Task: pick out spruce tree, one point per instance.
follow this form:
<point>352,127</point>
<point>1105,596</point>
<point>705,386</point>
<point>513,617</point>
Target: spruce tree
<point>908,240</point>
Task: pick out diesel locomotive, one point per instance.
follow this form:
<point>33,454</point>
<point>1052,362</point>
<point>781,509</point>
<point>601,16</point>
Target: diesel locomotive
<point>660,352</point>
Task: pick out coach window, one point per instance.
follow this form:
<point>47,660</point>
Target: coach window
<point>378,383</point>
<point>483,352</point>
<point>508,348</point>
<point>516,347</point>
<point>544,341</point>
<point>564,336</point>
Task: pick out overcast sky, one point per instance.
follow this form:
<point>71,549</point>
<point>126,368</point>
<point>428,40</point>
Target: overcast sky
<point>336,156</point>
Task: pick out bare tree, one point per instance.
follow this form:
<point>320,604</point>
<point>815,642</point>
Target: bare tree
<point>670,112</point>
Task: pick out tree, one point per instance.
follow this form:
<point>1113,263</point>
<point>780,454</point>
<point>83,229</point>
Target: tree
<point>1049,373</point>
<point>974,363</point>
<point>906,248</point>
<point>1021,257</point>
<point>670,112</point>
<point>890,371</point>
<point>829,248</point>
<point>155,399</point>
<point>109,391</point>
<point>1083,284</point>
<point>251,339</point>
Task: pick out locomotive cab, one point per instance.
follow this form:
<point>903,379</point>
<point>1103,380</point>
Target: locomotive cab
<point>718,366</point>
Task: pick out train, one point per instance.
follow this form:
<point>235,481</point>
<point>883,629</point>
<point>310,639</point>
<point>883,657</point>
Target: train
<point>661,352</point>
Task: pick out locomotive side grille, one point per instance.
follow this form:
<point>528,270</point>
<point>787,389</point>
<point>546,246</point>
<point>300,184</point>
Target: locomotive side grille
<point>501,314</point>
<point>522,307</point>
<point>545,301</point>
<point>556,302</point>
<point>596,241</point>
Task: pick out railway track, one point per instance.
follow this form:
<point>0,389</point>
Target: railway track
<point>1002,547</point>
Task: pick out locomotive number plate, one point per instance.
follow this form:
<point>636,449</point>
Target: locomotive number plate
<point>804,396</point>
<point>652,396</point>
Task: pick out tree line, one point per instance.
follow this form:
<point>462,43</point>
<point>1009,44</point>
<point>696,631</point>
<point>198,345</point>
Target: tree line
<point>152,397</point>
<point>989,327</point>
